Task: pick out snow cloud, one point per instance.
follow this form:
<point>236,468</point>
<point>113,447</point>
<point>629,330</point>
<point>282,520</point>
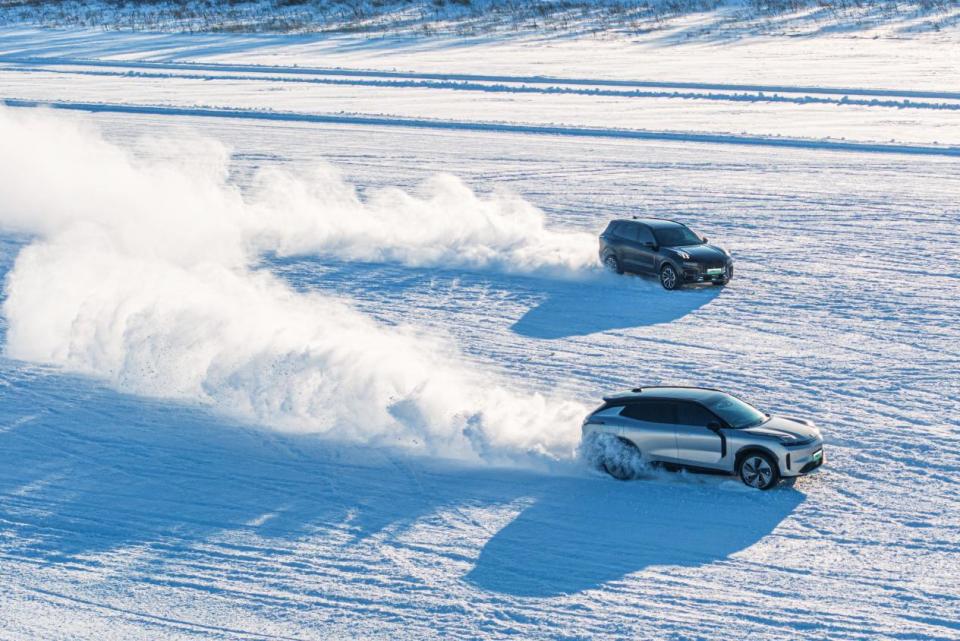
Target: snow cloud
<point>444,224</point>
<point>140,273</point>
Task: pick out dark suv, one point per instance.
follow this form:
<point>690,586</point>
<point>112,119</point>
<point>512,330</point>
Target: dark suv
<point>664,248</point>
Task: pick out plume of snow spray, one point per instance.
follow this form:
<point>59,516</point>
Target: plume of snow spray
<point>449,225</point>
<point>140,273</point>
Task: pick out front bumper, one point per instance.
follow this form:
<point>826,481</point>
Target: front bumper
<point>798,462</point>
<point>707,272</point>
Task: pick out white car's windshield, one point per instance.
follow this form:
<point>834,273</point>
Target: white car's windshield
<point>735,412</point>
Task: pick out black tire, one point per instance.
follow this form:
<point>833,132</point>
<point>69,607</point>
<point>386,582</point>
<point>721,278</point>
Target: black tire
<point>759,470</point>
<point>622,469</point>
<point>669,277</point>
<point>612,263</point>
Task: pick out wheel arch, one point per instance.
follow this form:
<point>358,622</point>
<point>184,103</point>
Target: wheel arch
<point>611,252</point>
<point>666,260</point>
<point>746,450</point>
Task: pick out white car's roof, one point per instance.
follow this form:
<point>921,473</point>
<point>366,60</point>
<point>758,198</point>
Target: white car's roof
<point>664,391</point>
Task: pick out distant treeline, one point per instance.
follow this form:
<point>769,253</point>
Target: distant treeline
<point>470,17</point>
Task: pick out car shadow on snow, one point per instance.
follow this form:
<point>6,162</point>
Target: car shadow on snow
<point>582,535</point>
<point>611,302</point>
<point>555,307</point>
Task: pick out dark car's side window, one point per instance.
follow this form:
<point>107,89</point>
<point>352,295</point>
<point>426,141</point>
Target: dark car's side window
<point>694,414</point>
<point>651,411</point>
<point>644,235</point>
<point>625,230</point>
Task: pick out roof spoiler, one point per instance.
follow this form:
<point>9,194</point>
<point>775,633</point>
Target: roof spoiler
<point>618,395</point>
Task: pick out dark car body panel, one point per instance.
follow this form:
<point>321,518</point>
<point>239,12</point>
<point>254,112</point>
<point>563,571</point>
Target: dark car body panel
<point>634,244</point>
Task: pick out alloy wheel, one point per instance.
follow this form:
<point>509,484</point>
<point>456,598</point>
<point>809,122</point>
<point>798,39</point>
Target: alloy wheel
<point>756,472</point>
<point>668,277</point>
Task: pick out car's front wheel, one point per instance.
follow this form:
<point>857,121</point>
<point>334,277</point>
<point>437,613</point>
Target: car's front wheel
<point>669,277</point>
<point>759,470</point>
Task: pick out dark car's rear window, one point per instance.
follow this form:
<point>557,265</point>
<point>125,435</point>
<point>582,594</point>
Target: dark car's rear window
<point>626,229</point>
<point>620,228</point>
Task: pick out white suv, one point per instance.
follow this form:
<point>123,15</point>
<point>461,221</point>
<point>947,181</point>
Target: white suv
<point>702,429</point>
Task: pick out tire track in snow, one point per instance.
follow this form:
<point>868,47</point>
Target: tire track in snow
<point>460,77</point>
<point>491,126</point>
<point>461,85</point>
<point>183,625</point>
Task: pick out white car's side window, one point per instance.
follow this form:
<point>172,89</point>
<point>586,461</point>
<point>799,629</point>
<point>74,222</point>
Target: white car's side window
<point>610,411</point>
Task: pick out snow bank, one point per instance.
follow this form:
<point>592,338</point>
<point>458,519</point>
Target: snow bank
<point>140,273</point>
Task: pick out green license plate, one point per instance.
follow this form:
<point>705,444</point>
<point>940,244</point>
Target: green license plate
<point>817,455</point>
<point>715,270</point>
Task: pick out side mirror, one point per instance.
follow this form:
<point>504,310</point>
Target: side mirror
<point>652,246</point>
<point>713,426</point>
<point>705,240</point>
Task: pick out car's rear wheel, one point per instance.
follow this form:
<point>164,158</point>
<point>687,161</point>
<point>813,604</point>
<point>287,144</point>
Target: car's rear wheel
<point>623,461</point>
<point>669,277</point>
<point>759,470</point>
<point>612,264</point>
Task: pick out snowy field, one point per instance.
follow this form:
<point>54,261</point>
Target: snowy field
<point>298,333</point>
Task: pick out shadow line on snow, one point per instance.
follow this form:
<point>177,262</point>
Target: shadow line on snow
<point>824,144</point>
<point>85,470</point>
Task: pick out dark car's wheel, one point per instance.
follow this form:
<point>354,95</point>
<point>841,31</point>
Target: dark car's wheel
<point>759,470</point>
<point>612,264</point>
<point>668,277</point>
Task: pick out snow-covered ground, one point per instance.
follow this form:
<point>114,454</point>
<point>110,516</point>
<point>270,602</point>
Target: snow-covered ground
<point>299,330</point>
